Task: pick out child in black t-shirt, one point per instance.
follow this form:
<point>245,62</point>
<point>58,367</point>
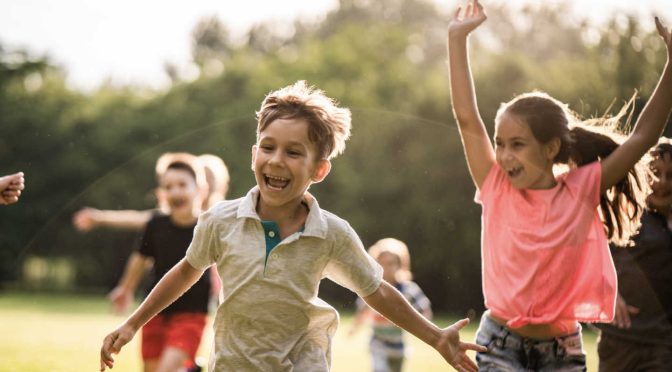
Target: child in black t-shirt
<point>170,340</point>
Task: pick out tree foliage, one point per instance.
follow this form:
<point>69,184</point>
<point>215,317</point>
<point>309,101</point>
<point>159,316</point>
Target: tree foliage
<point>403,174</point>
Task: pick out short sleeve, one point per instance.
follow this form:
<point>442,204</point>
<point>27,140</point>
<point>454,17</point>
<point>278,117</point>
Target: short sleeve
<point>585,181</point>
<point>200,253</point>
<point>351,267</point>
<point>491,182</point>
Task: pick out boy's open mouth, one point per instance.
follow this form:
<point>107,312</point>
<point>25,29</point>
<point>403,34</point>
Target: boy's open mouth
<point>177,203</point>
<point>277,183</point>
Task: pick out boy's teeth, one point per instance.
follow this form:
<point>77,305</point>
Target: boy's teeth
<point>278,182</point>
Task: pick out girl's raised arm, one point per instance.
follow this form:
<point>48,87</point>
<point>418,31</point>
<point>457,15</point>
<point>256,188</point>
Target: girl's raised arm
<point>477,147</point>
<point>649,126</point>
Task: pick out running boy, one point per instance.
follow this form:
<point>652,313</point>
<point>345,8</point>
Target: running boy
<point>171,338</point>
<point>273,247</point>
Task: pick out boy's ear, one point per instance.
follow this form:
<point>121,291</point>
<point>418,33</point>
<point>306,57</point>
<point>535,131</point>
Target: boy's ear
<point>254,156</point>
<point>322,169</point>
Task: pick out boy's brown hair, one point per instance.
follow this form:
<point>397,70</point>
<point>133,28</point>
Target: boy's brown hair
<point>328,124</point>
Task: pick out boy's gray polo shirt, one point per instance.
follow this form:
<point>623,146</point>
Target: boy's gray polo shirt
<point>270,318</point>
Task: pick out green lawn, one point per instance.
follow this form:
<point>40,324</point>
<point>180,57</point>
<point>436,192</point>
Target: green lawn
<point>61,333</point>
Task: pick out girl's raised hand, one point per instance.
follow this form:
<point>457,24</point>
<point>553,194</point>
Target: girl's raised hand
<point>665,33</point>
<point>466,21</point>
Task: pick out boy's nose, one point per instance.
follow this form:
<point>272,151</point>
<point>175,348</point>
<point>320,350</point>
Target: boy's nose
<point>276,158</point>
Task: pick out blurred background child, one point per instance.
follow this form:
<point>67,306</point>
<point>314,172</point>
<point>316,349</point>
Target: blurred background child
<point>640,337</point>
<point>217,177</point>
<point>387,342</point>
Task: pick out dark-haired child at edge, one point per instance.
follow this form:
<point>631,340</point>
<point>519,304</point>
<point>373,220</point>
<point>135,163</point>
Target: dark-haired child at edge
<point>640,336</point>
<point>273,247</point>
<point>546,262</point>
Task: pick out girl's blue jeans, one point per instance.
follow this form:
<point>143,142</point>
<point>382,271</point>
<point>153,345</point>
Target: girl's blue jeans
<point>508,351</point>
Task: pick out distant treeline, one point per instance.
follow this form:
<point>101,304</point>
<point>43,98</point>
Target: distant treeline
<point>402,175</point>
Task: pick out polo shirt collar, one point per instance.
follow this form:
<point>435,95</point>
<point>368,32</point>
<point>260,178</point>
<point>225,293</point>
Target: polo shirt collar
<point>316,222</point>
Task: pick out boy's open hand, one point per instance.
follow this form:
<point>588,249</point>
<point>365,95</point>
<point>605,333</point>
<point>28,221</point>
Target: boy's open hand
<point>454,351</point>
<point>113,343</point>
<point>465,22</point>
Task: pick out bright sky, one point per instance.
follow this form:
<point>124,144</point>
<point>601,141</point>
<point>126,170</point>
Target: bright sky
<point>130,40</point>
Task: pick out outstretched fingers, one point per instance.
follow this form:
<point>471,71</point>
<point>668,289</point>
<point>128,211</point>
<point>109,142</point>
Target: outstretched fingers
<point>476,8</point>
<point>106,359</point>
<point>112,344</point>
<point>472,346</point>
<point>464,364</point>
<point>461,361</point>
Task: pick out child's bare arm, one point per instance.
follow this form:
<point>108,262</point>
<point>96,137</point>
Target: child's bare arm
<point>477,147</point>
<point>388,302</point>
<point>88,218</point>
<point>649,126</point>
<point>173,285</point>
<point>122,295</point>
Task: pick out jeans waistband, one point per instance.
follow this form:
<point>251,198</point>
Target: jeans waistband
<point>503,337</point>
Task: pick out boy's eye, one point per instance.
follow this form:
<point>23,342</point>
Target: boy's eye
<point>294,153</point>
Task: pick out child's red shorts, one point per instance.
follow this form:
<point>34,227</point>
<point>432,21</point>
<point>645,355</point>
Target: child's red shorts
<point>179,330</point>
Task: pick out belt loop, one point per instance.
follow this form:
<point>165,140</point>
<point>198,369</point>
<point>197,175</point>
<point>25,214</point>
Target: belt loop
<point>559,347</point>
<point>506,335</point>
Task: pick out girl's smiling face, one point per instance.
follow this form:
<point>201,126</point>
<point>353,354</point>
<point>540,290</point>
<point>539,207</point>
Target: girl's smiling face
<point>527,162</point>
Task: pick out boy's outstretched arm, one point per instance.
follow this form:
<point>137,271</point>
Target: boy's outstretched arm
<point>388,302</point>
<point>477,147</point>
<point>87,218</point>
<point>176,281</point>
<point>649,126</point>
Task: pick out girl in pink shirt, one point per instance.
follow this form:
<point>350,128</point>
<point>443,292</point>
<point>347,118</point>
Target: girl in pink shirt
<point>546,263</point>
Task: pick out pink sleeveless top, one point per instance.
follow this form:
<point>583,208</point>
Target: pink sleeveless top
<point>544,252</point>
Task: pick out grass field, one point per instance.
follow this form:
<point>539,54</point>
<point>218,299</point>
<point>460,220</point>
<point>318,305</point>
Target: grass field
<point>63,333</point>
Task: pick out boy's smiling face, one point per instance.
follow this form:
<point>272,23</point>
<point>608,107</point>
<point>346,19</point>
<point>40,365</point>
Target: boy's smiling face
<point>284,163</point>
<point>180,190</point>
